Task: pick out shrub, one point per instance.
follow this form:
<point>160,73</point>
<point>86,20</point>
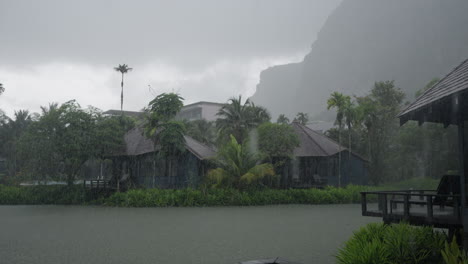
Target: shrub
<point>393,244</point>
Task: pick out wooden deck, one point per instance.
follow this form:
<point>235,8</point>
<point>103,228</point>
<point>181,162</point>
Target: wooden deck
<point>420,207</point>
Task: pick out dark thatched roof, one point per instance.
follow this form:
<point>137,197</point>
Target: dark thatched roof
<point>443,101</point>
<point>315,144</point>
<point>138,144</point>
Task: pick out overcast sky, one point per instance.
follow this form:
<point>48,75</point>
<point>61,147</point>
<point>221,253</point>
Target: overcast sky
<point>210,50</point>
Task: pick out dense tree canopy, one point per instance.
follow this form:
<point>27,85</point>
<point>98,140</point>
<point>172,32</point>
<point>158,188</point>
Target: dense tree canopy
<point>63,138</point>
<point>276,140</point>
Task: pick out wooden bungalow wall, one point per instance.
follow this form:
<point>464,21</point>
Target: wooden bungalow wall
<point>147,171</point>
<point>301,170</point>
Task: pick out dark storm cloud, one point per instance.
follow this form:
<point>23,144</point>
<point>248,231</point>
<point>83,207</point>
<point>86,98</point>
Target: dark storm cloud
<point>184,32</point>
<point>57,50</point>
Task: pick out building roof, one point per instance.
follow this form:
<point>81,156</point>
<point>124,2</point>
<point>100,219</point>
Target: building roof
<point>321,126</point>
<point>138,144</point>
<point>203,102</point>
<point>437,103</point>
<point>113,112</point>
<point>315,144</point>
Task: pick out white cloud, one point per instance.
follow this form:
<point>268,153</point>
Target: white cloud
<point>35,86</point>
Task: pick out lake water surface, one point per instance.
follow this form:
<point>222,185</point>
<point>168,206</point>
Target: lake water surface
<point>76,234</point>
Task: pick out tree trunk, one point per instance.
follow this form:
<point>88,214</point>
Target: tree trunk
<point>121,94</point>
<point>339,156</point>
<point>350,148</point>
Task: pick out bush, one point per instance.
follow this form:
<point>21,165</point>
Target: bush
<point>393,244</point>
<point>232,197</point>
<point>55,194</point>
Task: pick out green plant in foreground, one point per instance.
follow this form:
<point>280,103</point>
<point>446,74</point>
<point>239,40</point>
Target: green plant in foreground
<point>393,244</point>
<point>452,253</point>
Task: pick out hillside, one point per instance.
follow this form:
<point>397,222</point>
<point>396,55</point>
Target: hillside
<point>364,41</point>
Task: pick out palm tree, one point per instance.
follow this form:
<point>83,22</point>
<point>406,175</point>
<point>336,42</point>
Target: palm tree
<point>237,166</point>
<point>282,119</point>
<point>201,130</point>
<point>338,100</point>
<point>349,113</point>
<point>259,114</point>
<point>234,119</point>
<point>123,69</point>
<point>302,118</point>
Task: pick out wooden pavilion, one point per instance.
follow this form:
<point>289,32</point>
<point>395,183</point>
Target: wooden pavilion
<point>447,103</point>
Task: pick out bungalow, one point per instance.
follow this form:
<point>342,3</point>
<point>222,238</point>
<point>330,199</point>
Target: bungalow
<point>140,166</point>
<point>316,162</point>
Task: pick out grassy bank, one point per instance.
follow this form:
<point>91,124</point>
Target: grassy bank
<point>76,195</point>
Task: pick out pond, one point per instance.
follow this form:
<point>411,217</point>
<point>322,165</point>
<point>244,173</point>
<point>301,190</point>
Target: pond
<point>79,234</point>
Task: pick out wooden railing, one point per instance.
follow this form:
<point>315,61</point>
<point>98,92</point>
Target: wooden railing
<point>96,184</point>
<point>429,207</point>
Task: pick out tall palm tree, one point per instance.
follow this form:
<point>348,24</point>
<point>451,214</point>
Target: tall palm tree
<point>123,69</point>
<point>338,100</point>
<point>349,113</point>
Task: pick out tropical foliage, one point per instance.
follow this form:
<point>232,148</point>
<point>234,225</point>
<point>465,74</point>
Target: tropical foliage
<point>282,119</point>
<point>394,153</point>
<point>202,131</point>
<point>276,141</point>
<point>194,197</point>
<point>452,254</point>
<point>166,133</point>
<point>237,166</point>
<point>56,146</point>
<point>238,119</point>
<point>393,244</point>
<point>302,118</point>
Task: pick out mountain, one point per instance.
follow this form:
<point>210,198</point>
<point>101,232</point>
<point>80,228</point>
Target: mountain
<point>363,41</point>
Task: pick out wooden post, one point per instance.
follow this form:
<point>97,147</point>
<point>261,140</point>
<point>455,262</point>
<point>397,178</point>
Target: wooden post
<point>363,203</point>
<point>462,155</point>
<point>456,208</point>
<point>406,206</point>
<point>430,210</point>
<point>384,205</point>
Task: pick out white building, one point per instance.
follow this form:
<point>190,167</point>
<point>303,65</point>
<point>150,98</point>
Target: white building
<point>200,110</point>
<point>190,112</point>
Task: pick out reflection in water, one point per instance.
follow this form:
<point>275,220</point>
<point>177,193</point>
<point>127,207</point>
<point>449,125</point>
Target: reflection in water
<point>59,234</point>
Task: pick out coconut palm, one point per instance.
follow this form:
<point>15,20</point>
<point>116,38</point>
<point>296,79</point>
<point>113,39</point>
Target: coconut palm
<point>238,166</point>
<point>349,114</point>
<point>201,130</point>
<point>282,119</point>
<point>338,100</point>
<point>234,119</point>
<point>123,69</point>
<point>259,114</point>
